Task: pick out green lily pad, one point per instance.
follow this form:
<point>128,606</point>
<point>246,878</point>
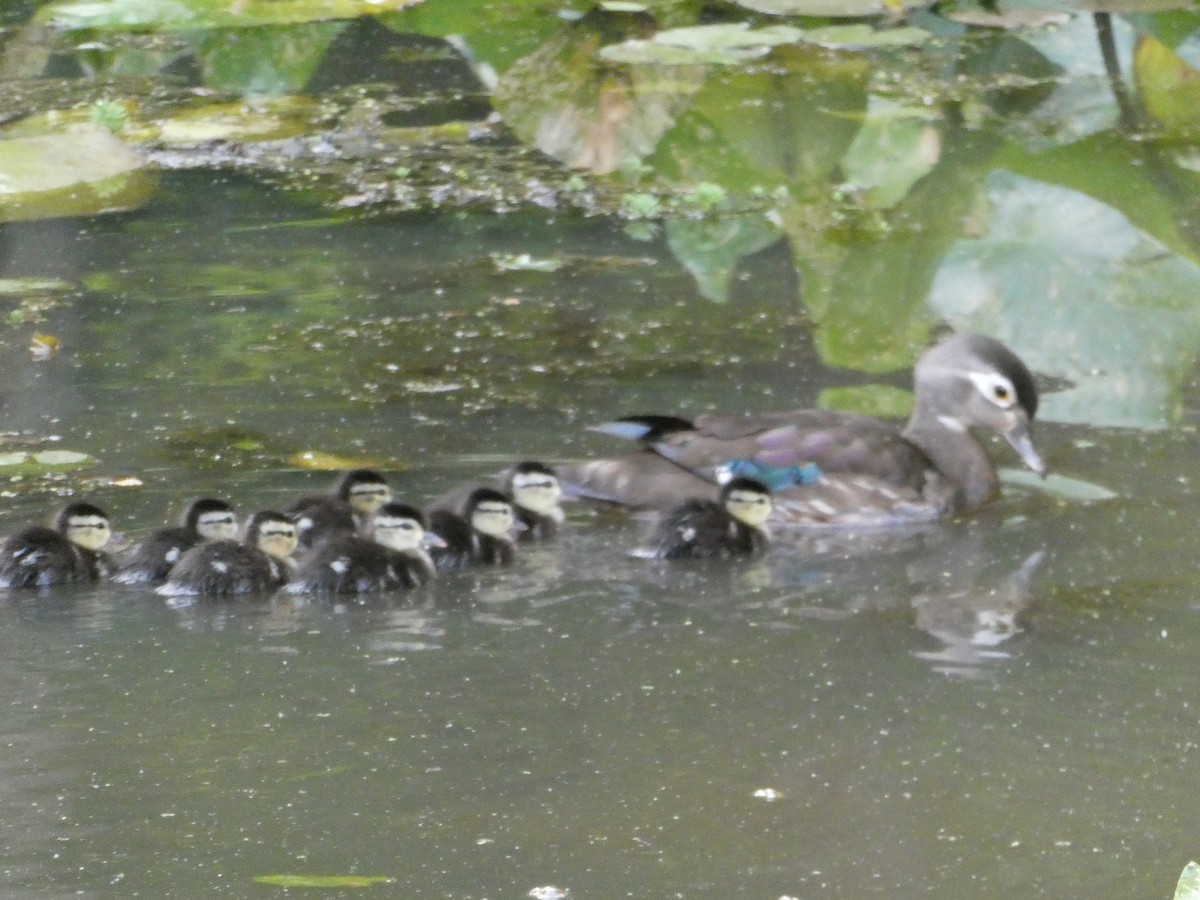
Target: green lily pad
<point>1189,883</point>
<point>864,37</point>
<point>86,171</point>
<point>16,287</point>
<point>845,9</point>
<point>702,45</point>
<point>1122,327</point>
<point>323,881</point>
<point>523,262</point>
<point>266,120</point>
<point>24,463</point>
<point>1074,489</point>
<point>197,14</point>
<point>1170,88</point>
<point>895,148</point>
<point>879,400</point>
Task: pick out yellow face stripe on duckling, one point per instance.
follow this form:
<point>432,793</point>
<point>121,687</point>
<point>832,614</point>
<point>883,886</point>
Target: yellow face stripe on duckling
<point>398,533</point>
<point>277,539</point>
<point>537,491</point>
<point>366,498</point>
<point>749,507</point>
<point>217,526</point>
<point>89,532</point>
<point>493,518</point>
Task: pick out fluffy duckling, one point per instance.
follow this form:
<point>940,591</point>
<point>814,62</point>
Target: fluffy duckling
<point>390,554</point>
<point>357,494</point>
<point>733,525</point>
<point>261,562</point>
<point>535,492</point>
<point>206,519</point>
<point>481,535</point>
<point>37,556</point>
<point>533,489</point>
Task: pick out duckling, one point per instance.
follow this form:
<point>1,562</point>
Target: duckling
<point>481,535</point>
<point>37,556</point>
<point>829,468</point>
<point>533,489</point>
<point>734,525</point>
<point>206,519</point>
<point>535,492</point>
<point>390,554</point>
<point>261,561</point>
<point>357,494</point>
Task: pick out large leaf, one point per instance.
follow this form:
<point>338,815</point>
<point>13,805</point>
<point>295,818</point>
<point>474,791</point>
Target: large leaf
<point>191,14</point>
<point>569,105</point>
<point>271,61</point>
<point>1188,887</point>
<point>839,8</point>
<point>710,248</point>
<point>1085,295</point>
<point>85,171</point>
<point>895,148</point>
<point>702,44</point>
<point>1170,88</point>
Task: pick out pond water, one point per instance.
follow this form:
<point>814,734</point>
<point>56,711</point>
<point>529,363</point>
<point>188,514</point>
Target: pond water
<point>998,706</point>
<point>824,722</point>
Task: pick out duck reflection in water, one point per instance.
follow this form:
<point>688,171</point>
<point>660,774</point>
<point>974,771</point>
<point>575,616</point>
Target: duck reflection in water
<point>972,611</point>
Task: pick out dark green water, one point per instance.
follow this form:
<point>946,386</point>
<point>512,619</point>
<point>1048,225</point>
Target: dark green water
<point>815,724</point>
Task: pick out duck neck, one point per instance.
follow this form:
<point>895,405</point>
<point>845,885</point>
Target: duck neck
<point>956,454</point>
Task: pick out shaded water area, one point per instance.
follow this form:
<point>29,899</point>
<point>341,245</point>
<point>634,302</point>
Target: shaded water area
<point>822,722</point>
<point>1001,705</point>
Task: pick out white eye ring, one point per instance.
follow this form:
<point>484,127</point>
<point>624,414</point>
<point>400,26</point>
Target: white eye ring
<point>995,388</point>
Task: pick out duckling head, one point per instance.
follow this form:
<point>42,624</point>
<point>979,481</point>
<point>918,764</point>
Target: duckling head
<point>84,524</point>
<point>364,489</point>
<point>748,501</point>
<point>490,513</point>
<point>273,533</point>
<point>212,519</point>
<point>535,487</point>
<point>399,527</point>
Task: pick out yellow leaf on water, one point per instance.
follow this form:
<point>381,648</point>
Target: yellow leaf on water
<point>321,461</point>
<point>323,881</point>
<point>43,346</point>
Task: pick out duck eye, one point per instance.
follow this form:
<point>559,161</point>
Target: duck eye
<point>995,388</point>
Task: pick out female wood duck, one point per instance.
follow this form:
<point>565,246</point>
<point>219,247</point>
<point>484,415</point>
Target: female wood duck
<point>390,554</point>
<point>482,535</point>
<point>734,525</point>
<point>37,556</point>
<point>829,468</point>
<point>357,494</point>
<point>206,519</point>
<point>533,489</point>
<point>261,561</point>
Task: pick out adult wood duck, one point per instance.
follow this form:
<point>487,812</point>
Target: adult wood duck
<point>482,535</point>
<point>357,494</point>
<point>829,468</point>
<point>205,519</point>
<point>391,553</point>
<point>733,525</point>
<point>37,556</point>
<point>261,561</point>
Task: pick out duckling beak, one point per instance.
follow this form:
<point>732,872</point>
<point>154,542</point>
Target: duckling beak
<point>1020,439</point>
<point>431,540</point>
